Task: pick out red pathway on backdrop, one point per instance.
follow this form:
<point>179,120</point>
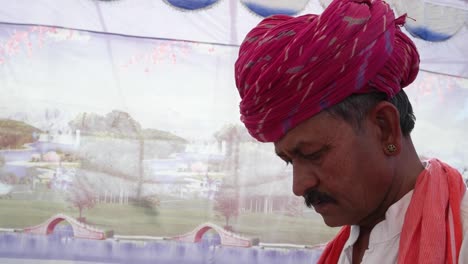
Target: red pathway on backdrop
<point>80,230</point>
<point>227,238</point>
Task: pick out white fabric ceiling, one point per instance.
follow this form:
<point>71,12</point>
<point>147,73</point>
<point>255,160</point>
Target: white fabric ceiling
<point>225,22</point>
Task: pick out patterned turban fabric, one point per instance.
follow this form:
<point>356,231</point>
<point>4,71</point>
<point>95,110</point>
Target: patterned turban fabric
<point>291,68</point>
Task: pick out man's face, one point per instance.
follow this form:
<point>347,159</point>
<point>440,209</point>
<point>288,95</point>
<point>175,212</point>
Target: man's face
<point>342,172</point>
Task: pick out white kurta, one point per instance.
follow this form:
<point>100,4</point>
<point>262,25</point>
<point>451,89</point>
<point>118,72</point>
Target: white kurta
<point>385,237</point>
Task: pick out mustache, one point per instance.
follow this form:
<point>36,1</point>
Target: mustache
<point>314,197</point>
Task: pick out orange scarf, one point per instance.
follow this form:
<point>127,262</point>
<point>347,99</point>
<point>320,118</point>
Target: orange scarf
<point>432,230</point>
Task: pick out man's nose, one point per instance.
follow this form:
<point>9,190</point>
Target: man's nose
<point>303,179</point>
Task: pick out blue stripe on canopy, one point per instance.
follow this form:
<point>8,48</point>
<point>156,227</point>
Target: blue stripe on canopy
<point>191,4</point>
<point>265,11</point>
<point>427,34</point>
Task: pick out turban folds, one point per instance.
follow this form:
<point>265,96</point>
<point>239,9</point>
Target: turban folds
<point>291,68</point>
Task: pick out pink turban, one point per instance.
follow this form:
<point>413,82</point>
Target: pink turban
<point>290,69</point>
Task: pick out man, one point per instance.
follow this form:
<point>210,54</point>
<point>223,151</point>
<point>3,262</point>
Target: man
<point>327,91</point>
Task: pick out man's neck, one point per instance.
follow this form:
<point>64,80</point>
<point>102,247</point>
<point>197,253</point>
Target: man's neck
<point>361,245</point>
<point>407,169</point>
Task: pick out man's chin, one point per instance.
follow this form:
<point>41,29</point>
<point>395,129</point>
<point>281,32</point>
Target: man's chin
<point>333,221</point>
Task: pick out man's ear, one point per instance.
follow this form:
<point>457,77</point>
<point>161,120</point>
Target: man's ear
<point>386,118</point>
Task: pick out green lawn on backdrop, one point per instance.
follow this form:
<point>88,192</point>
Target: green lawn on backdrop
<point>172,218</point>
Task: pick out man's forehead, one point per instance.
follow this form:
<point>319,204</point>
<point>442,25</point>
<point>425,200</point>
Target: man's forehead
<point>314,132</point>
<point>295,144</point>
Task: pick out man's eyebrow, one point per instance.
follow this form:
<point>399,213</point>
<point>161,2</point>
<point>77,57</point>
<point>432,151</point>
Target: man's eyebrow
<point>323,149</point>
<point>295,149</point>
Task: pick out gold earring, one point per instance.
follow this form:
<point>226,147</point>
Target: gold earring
<point>391,148</point>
